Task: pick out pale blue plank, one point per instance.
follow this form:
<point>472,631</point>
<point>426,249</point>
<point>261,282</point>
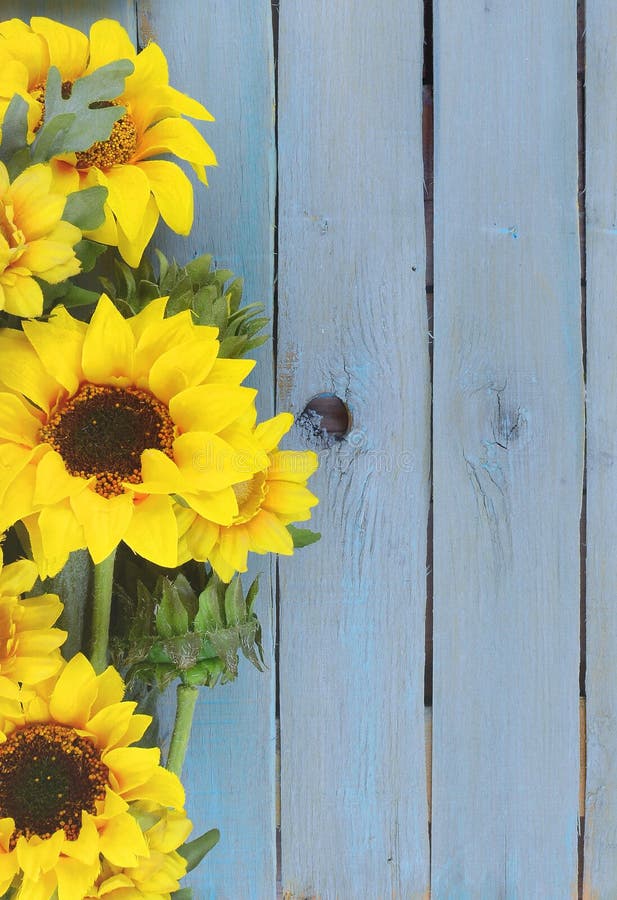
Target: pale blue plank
<point>508,442</point>
<point>352,320</point>
<point>78,13</point>
<point>601,682</point>
<point>223,56</point>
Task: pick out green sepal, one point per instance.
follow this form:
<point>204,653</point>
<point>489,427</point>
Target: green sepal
<point>183,894</point>
<point>303,537</point>
<point>171,615</point>
<point>85,208</point>
<point>211,613</point>
<point>235,605</point>
<point>195,850</point>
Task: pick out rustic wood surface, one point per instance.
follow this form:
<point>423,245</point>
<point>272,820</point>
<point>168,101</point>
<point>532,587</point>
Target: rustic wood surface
<point>352,321</point>
<point>601,682</point>
<point>508,452</point>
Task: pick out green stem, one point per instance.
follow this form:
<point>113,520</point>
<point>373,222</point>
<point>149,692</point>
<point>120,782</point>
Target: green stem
<point>186,698</point>
<point>101,611</point>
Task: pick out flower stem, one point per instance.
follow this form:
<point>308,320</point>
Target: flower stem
<point>186,698</point>
<point>101,611</point>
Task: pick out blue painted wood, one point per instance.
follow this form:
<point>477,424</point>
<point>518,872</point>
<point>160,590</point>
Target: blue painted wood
<point>224,57</point>
<point>352,320</point>
<point>508,452</point>
<point>78,13</point>
<point>600,870</point>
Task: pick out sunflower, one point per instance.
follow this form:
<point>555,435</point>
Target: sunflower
<point>141,186</point>
<point>72,787</point>
<point>267,502</point>
<point>34,241</point>
<point>101,424</point>
<point>157,876</point>
<point>28,643</point>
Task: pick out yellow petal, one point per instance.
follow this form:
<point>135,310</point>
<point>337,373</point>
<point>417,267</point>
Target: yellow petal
<point>110,689</point>
<point>74,693</point>
<point>234,547</point>
<point>160,474</point>
<point>68,48</point>
<point>75,877</point>
<point>152,532</point>
<point>208,463</point>
<point>33,669</point>
<point>160,335</point>
<point>289,499</point>
<point>132,248</point>
<point>201,537</point>
<point>292,465</point>
<point>182,367</point>
<point>267,534</point>
<point>131,766</point>
<point>163,787</point>
<point>210,407</point>
<point>177,136</point>
<point>37,209</point>
<point>18,421</point>
<point>122,841</point>
<point>109,42</point>
<point>61,330</point>
<point>54,535</point>
<point>172,191</point>
<point>223,569</point>
<point>53,482</point>
<point>270,432</point>
<point>109,346</point>
<point>36,855</point>
<point>22,297</point>
<point>153,313</point>
<point>231,371</point>
<point>22,371</point>
<point>220,507</point>
<point>19,577</point>
<point>104,521</point>
<point>110,724</point>
<point>38,612</point>
<point>129,193</point>
<point>53,260</point>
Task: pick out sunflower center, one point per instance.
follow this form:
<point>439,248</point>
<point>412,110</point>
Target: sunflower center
<point>119,147</point>
<point>49,775</point>
<point>250,496</point>
<point>102,431</point>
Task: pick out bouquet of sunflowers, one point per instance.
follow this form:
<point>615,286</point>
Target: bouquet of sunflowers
<point>135,479</point>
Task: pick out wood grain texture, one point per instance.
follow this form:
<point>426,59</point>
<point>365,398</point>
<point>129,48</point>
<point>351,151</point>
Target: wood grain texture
<point>78,13</point>
<point>223,56</point>
<point>352,321</point>
<point>508,452</point>
<point>600,870</point>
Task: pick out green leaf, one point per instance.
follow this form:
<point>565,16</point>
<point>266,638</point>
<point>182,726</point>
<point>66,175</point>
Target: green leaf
<point>302,537</point>
<point>183,894</point>
<point>85,208</point>
<point>251,595</point>
<point>235,604</point>
<point>87,252</point>
<point>14,130</point>
<point>232,347</point>
<point>199,268</point>
<point>171,616</point>
<point>194,851</point>
<point>74,123</point>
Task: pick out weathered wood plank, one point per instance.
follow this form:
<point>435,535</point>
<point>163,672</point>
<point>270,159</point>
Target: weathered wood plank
<point>508,442</point>
<point>600,870</point>
<point>78,13</point>
<point>352,320</point>
<point>224,57</point>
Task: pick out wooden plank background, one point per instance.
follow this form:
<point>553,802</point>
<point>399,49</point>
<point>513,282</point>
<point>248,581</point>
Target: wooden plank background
<point>508,451</point>
<point>504,432</point>
<point>352,321</point>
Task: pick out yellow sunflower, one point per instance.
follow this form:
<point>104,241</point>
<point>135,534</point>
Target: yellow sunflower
<point>267,502</point>
<point>34,241</point>
<point>28,643</point>
<point>102,424</point>
<point>157,876</point>
<point>72,786</point>
<point>141,186</point>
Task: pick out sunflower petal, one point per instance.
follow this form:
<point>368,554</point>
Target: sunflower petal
<point>61,330</point>
<point>210,407</point>
<point>129,193</point>
<point>172,191</point>
<point>109,346</point>
<point>182,367</point>
<point>270,432</point>
<point>153,532</point>
<point>74,693</point>
<point>109,42</point>
<point>177,136</point>
<point>131,249</point>
<point>104,521</point>
<point>68,48</point>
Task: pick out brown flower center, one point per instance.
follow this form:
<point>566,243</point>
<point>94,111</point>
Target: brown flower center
<point>102,432</point>
<point>49,774</point>
<point>119,147</point>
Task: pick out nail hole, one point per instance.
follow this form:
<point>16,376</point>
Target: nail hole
<point>326,418</point>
